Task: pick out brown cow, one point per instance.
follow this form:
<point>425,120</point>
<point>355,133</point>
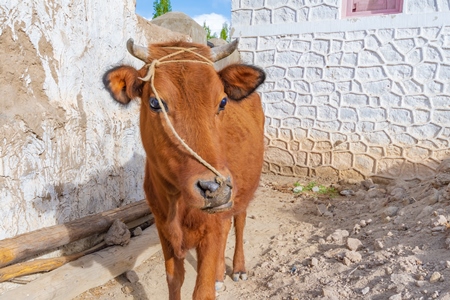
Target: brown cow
<point>195,184</point>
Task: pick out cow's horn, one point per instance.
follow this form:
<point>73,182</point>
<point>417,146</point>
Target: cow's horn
<point>217,53</point>
<point>137,51</point>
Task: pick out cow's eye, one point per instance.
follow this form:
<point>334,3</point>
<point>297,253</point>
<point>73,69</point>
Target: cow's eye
<point>223,103</point>
<point>154,104</point>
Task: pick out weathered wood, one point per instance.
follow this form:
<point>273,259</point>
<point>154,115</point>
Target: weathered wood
<point>49,264</point>
<point>26,245</point>
<point>89,271</point>
<point>140,221</point>
<point>42,265</point>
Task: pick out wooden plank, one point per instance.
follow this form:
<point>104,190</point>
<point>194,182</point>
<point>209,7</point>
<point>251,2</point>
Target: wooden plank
<point>29,244</point>
<point>89,271</point>
<point>42,265</point>
<point>49,264</point>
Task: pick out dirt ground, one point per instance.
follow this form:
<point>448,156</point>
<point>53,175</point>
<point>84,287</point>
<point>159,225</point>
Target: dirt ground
<point>371,240</point>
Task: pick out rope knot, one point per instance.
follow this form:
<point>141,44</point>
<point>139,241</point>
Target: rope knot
<point>151,70</point>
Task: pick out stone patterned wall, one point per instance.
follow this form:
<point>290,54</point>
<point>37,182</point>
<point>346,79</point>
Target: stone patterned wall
<point>254,12</point>
<point>257,12</point>
<point>350,103</point>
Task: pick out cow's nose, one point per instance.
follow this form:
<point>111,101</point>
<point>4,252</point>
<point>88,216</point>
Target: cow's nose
<point>217,194</point>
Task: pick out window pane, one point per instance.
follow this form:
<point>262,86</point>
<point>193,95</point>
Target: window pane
<point>370,5</point>
<point>391,4</point>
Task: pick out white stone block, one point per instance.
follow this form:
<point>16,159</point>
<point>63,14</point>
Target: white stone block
<point>356,100</point>
<point>417,102</point>
<point>280,109</point>
<point>323,12</point>
<point>377,87</point>
<point>372,114</point>
<point>327,113</point>
<point>322,87</point>
<point>400,116</point>
<point>348,114</point>
<point>262,16</point>
<point>370,73</point>
<point>288,58</point>
<point>265,58</point>
<point>399,72</point>
<point>312,59</point>
<point>284,15</point>
<point>296,72</point>
<point>370,58</point>
<point>241,17</point>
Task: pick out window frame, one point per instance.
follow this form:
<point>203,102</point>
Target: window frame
<point>348,13</point>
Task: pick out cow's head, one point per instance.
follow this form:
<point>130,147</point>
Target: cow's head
<point>195,97</point>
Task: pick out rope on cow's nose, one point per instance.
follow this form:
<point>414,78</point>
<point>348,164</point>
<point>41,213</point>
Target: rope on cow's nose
<point>150,77</point>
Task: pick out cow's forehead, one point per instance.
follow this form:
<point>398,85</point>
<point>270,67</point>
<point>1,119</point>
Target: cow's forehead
<point>186,84</point>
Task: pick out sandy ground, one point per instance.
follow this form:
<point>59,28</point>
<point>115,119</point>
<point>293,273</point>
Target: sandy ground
<point>380,241</point>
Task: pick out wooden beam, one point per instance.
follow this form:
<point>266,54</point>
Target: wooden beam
<point>89,271</point>
<point>49,264</point>
<point>29,244</point>
<point>42,265</point>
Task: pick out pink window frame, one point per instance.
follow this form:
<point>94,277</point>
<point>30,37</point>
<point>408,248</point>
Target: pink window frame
<point>348,4</point>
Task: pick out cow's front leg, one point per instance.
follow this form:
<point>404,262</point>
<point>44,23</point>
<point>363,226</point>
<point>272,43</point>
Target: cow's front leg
<point>220,269</point>
<point>174,269</point>
<point>239,258</point>
<point>207,255</point>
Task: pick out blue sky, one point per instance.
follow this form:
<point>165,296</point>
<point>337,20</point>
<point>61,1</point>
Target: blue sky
<point>214,12</point>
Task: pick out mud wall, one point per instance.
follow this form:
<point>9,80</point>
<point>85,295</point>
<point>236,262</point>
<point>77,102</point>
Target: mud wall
<point>66,149</point>
<point>348,98</point>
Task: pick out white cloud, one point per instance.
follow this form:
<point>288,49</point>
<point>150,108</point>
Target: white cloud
<point>213,20</point>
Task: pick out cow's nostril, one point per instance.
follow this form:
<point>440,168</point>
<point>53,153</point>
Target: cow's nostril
<point>208,186</point>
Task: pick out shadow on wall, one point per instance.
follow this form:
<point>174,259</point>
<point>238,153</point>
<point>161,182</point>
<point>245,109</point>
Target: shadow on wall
<point>104,190</point>
<point>111,194</point>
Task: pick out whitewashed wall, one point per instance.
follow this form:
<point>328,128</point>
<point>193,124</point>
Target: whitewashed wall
<point>66,149</point>
<point>347,98</point>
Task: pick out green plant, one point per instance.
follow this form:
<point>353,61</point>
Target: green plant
<point>310,186</point>
<point>161,7</point>
<point>225,32</point>
<point>313,187</point>
<point>208,32</point>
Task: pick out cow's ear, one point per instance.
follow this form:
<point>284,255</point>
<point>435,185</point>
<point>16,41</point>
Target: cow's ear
<point>123,83</point>
<point>241,80</point>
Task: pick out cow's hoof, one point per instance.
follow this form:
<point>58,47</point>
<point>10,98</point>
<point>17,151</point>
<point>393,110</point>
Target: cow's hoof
<point>239,275</point>
<point>219,285</point>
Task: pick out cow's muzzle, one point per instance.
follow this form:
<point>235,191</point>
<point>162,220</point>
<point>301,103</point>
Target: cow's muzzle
<point>217,194</point>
